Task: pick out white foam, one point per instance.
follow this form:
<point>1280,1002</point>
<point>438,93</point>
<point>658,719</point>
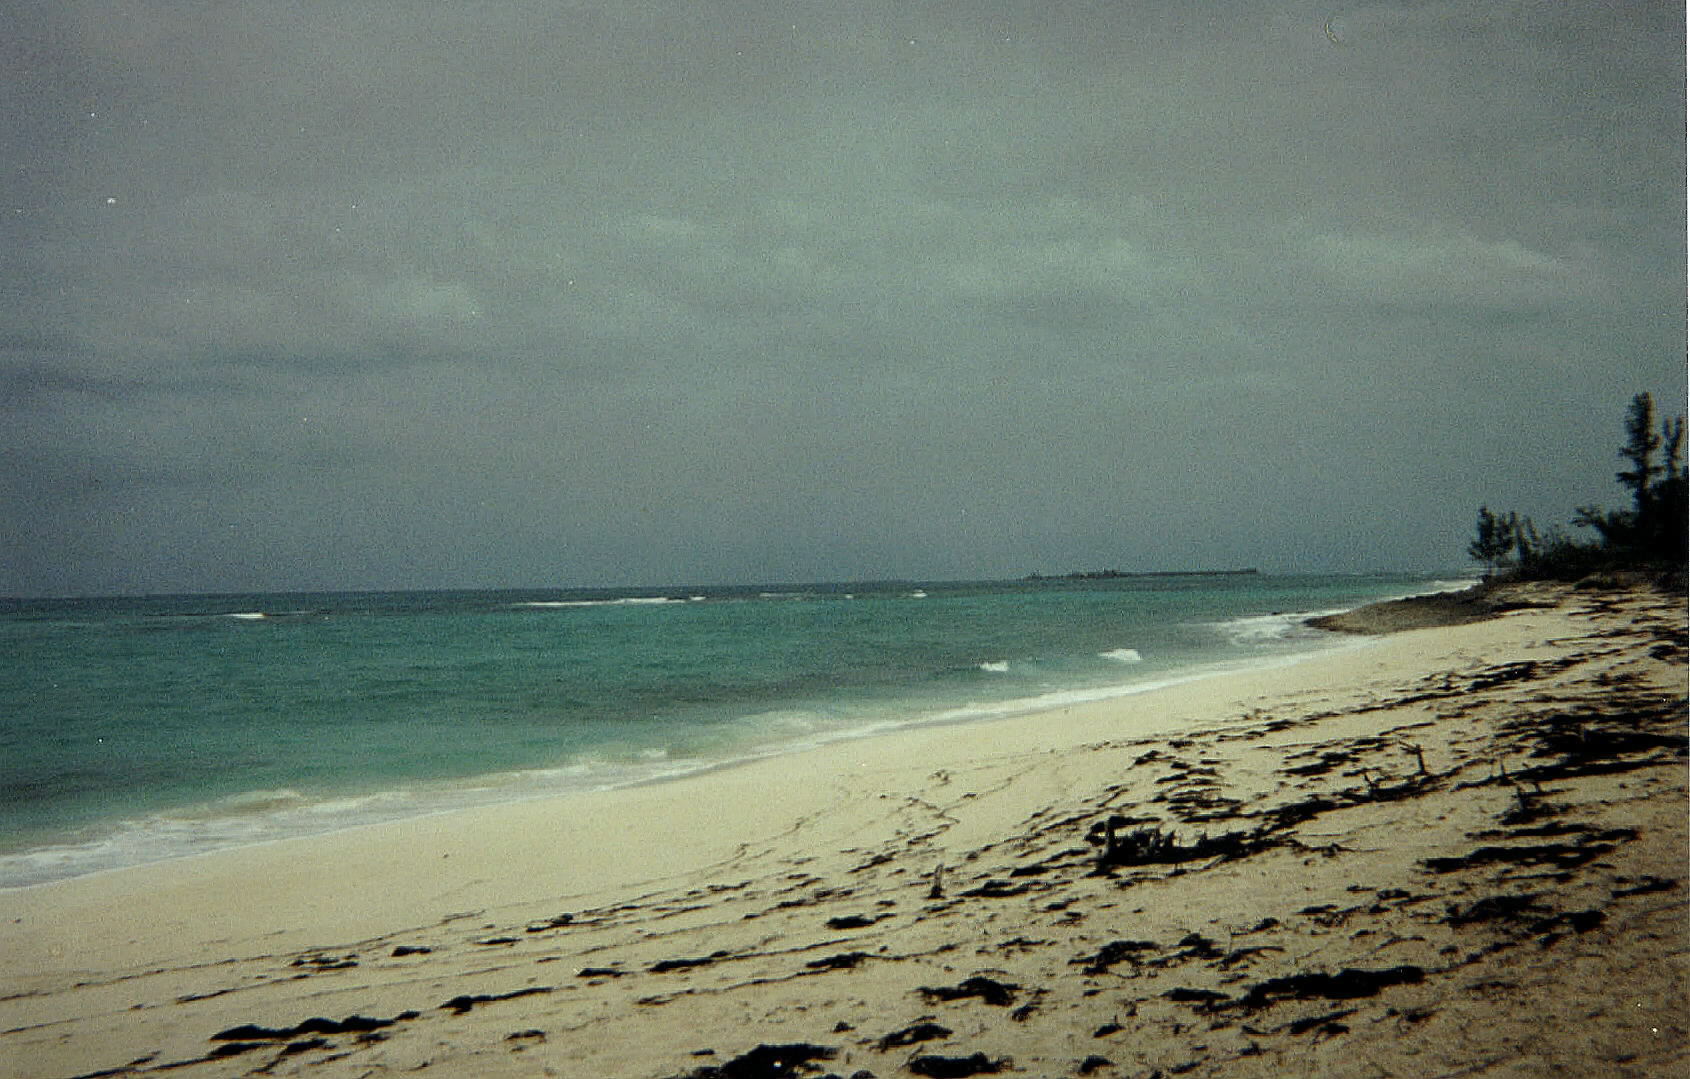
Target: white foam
<point>1268,628</point>
<point>267,816</point>
<point>918,594</point>
<point>1123,655</point>
<point>627,601</point>
<point>996,666</point>
<point>785,722</point>
<point>259,801</point>
<point>247,616</point>
<point>1048,702</point>
<point>1452,585</point>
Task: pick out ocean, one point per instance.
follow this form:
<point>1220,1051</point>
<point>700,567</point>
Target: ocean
<point>134,730</point>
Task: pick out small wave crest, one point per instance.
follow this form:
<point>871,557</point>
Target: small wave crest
<point>266,816</point>
<point>1451,584</point>
<point>1123,655</point>
<point>1264,629</point>
<point>247,616</point>
<point>259,801</point>
<point>785,721</point>
<point>235,820</point>
<point>626,601</point>
<point>996,666</point>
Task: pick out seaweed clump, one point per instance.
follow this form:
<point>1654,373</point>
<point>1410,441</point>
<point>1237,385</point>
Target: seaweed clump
<point>1150,845</point>
<point>768,1062</point>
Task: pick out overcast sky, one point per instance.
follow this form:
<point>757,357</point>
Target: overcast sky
<point>381,294</point>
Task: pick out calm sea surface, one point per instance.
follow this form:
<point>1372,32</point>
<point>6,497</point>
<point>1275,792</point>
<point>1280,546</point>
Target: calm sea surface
<point>134,730</point>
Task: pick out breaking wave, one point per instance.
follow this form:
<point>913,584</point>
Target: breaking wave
<point>626,601</point>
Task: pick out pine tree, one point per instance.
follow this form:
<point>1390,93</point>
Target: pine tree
<point>1496,536</point>
<point>1641,442</point>
<point>1655,529</point>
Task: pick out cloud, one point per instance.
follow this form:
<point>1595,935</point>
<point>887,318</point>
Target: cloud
<point>29,385</point>
<point>763,290</point>
<point>1448,268</point>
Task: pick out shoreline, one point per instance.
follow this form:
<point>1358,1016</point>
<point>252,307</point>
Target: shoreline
<point>460,795</point>
<point>806,898</point>
<point>1431,610</point>
<point>961,718</point>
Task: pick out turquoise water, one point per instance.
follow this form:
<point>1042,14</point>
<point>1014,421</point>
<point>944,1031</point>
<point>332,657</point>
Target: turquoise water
<point>138,729</point>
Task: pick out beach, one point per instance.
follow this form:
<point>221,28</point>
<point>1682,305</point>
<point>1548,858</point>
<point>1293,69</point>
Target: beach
<point>1450,850</point>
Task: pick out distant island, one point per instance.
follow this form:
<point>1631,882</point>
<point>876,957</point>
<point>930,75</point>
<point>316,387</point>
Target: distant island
<point>1112,574</point>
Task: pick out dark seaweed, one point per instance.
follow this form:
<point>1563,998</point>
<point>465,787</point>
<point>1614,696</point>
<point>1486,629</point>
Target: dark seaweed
<point>768,1062</point>
<point>1347,984</point>
<point>989,991</point>
<point>935,1067</point>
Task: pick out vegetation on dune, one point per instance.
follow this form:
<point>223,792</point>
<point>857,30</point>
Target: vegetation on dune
<point>1650,536</point>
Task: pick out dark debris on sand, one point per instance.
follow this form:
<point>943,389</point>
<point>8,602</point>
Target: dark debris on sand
<point>938,1067</point>
<point>791,1061</point>
<point>988,990</point>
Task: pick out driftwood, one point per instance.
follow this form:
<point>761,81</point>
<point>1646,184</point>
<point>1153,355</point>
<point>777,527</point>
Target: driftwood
<point>1149,845</point>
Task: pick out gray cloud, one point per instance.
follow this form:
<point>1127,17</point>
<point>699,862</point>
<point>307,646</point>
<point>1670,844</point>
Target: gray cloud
<point>531,293</point>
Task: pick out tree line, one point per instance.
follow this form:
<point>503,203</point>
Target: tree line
<point>1652,534</point>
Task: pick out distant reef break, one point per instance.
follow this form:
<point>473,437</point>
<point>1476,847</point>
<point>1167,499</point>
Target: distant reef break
<point>1111,574</point>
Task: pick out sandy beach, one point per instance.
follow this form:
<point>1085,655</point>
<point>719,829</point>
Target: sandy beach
<point>1449,851</point>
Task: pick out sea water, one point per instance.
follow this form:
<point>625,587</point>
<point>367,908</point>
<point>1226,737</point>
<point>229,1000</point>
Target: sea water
<point>139,729</point>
